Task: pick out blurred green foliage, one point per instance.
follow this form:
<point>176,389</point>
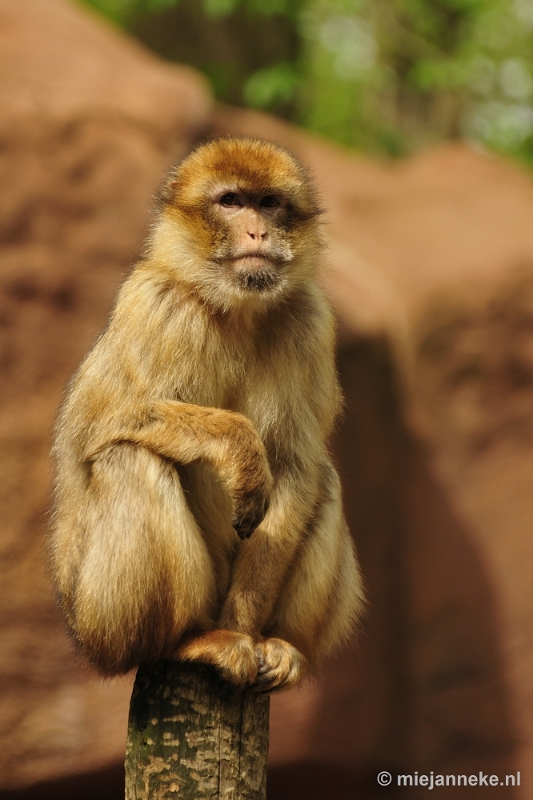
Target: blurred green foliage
<point>386,76</point>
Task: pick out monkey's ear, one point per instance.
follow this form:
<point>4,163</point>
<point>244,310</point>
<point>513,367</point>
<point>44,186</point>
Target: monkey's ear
<point>167,192</point>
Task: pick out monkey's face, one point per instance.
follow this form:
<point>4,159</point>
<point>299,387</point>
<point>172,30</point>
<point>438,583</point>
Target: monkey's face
<point>244,213</point>
<point>250,238</point>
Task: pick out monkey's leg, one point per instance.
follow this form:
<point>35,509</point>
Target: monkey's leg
<point>144,573</point>
<point>261,567</point>
<point>313,600</point>
<point>323,594</point>
<point>237,647</point>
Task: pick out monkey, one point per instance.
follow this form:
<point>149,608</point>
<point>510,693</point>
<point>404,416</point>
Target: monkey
<point>197,513</point>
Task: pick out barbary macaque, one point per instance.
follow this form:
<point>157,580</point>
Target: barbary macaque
<point>197,512</point>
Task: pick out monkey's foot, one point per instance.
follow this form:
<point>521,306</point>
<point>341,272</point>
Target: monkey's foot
<point>280,665</point>
<point>233,654</point>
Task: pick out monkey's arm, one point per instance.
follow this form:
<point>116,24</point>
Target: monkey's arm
<point>264,562</point>
<point>184,432</point>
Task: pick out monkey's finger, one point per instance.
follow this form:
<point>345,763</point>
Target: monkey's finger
<point>268,684</point>
<point>280,666</point>
<point>246,522</point>
<point>245,527</point>
<point>243,531</point>
<point>271,690</point>
<point>260,655</point>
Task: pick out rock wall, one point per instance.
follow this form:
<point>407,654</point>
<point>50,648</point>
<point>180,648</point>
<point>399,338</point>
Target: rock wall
<point>430,268</point>
<point>88,123</point>
<point>431,272</point>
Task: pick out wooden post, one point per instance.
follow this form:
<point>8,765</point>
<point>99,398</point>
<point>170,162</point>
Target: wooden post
<point>192,736</point>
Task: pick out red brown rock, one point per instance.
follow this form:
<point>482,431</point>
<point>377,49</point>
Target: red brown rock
<point>431,272</point>
<point>88,123</point>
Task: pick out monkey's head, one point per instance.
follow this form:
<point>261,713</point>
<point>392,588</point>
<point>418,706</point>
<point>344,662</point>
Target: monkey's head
<point>238,223</point>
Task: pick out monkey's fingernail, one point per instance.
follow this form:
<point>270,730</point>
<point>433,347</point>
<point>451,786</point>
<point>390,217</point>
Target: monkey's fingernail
<point>240,531</point>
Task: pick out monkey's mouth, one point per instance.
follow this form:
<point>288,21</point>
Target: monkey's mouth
<point>256,272</point>
<point>248,261</point>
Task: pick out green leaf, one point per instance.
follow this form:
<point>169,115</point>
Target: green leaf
<point>270,86</point>
<point>158,5</point>
<point>220,8</point>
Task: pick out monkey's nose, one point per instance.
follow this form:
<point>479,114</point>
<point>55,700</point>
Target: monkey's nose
<point>258,234</point>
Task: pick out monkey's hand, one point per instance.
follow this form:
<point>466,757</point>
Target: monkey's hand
<point>251,481</point>
<point>280,666</point>
<point>249,513</point>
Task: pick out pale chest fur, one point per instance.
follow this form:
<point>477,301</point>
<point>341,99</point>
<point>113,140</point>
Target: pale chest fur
<point>163,346</point>
<point>187,352</point>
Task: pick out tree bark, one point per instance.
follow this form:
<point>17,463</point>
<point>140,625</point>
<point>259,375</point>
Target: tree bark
<point>191,735</point>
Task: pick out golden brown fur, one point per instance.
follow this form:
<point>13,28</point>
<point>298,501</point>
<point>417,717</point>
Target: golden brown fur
<point>209,397</point>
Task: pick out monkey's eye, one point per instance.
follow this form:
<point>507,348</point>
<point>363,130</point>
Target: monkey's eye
<point>229,199</point>
<point>270,201</point>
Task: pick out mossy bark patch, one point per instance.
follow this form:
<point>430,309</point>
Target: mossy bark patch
<point>191,735</point>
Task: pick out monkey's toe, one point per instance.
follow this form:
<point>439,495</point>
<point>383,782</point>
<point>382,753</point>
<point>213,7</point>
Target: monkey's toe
<point>280,666</point>
<point>233,654</point>
<point>239,664</point>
